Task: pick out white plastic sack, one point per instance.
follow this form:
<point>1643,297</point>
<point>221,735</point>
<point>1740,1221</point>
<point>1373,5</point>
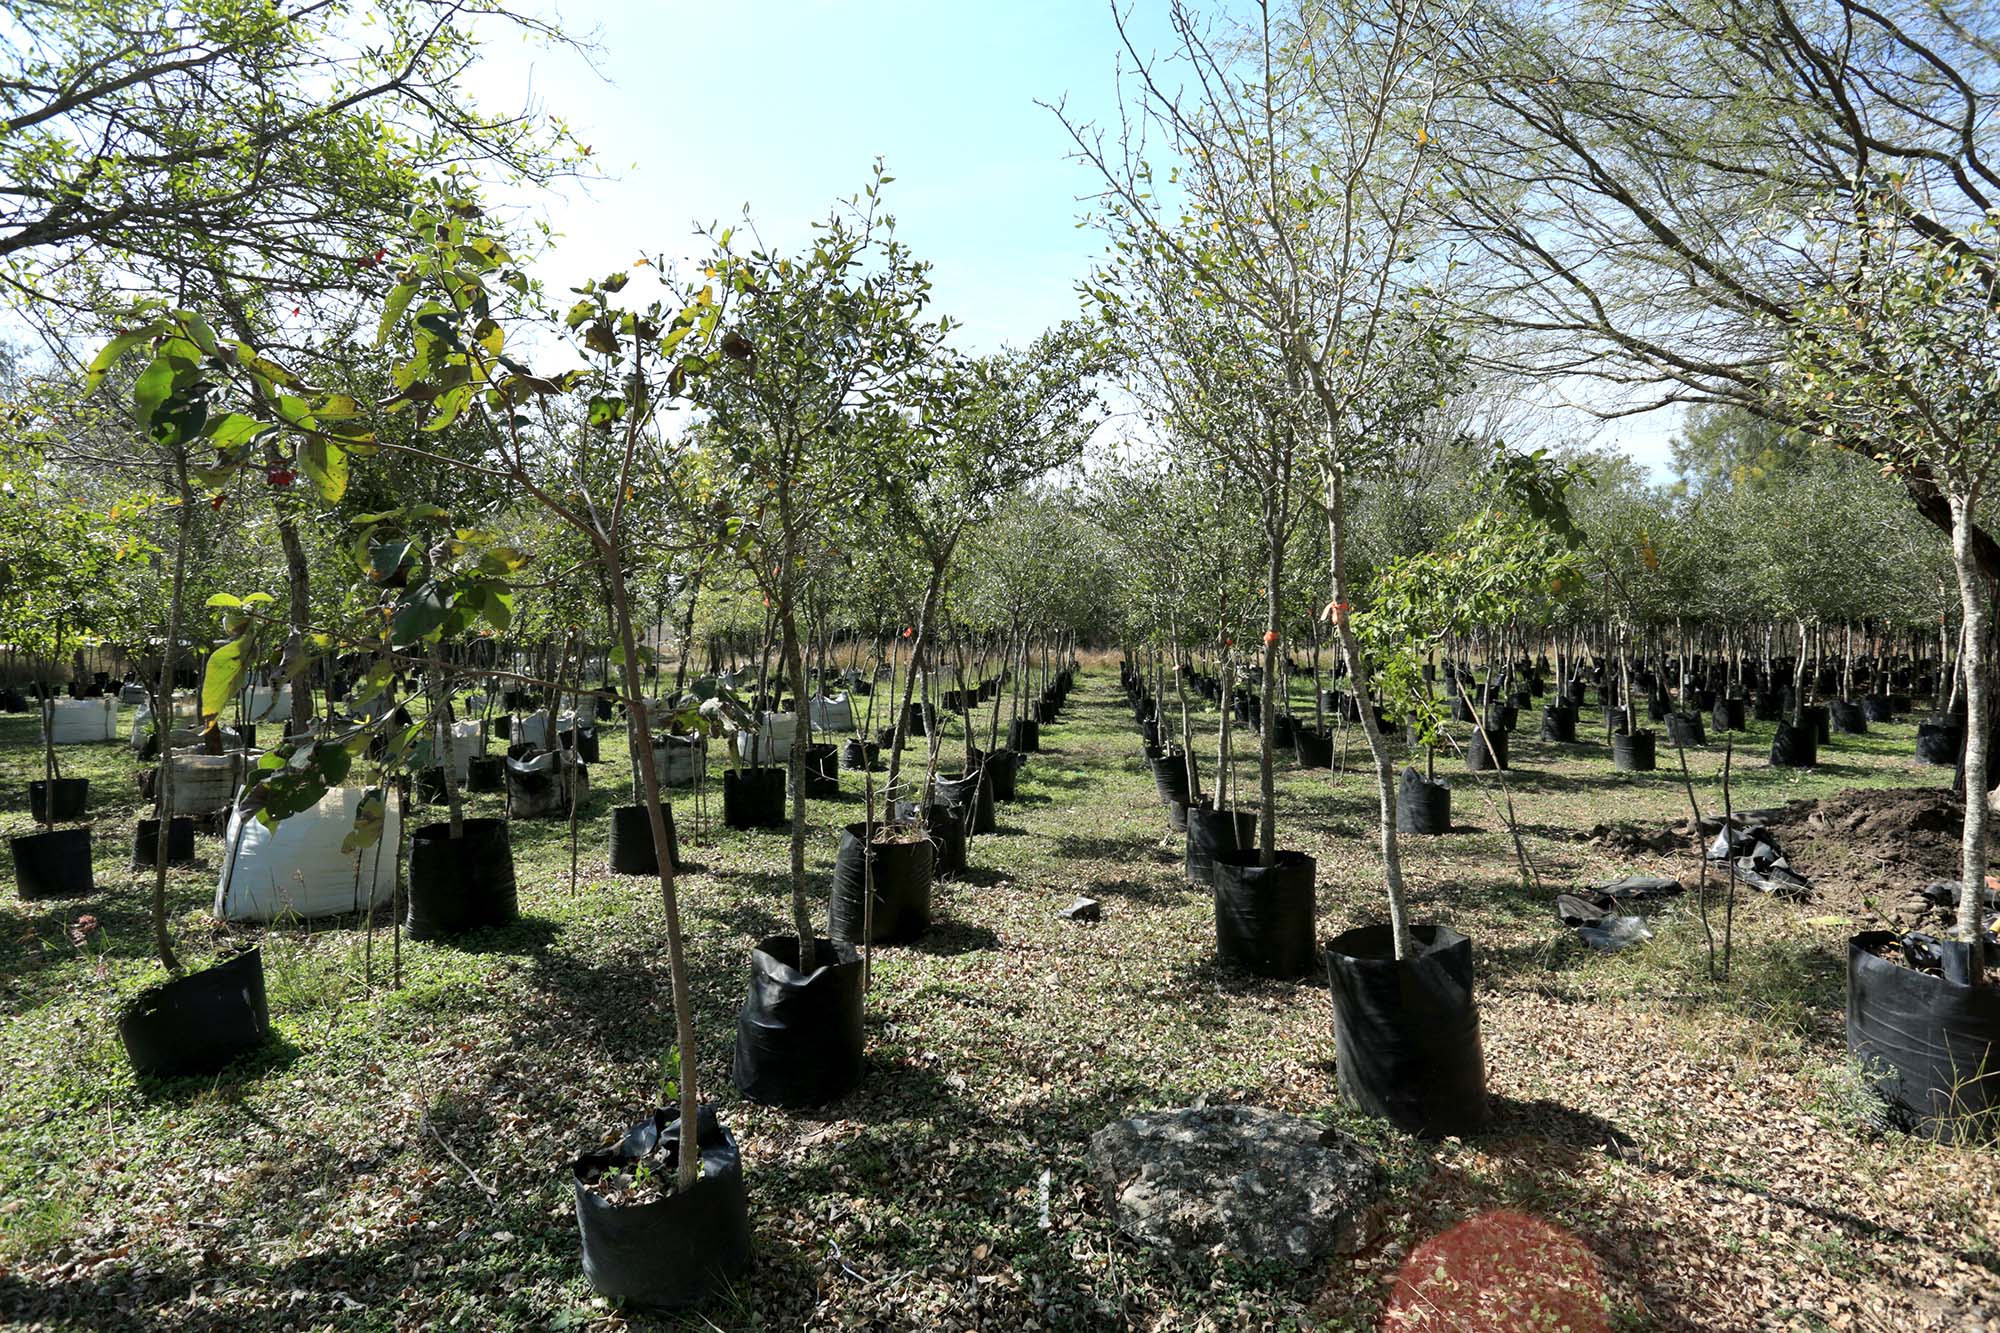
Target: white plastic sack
<point>298,869</point>
<point>267,703</point>
<point>204,782</point>
<point>534,729</point>
<point>832,713</point>
<point>776,737</point>
<point>543,785</point>
<point>84,721</point>
<point>678,760</point>
<point>467,739</point>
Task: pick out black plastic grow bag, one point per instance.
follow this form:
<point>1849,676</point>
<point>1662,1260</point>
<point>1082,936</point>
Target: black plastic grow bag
<point>1686,729</point>
<point>799,1036</point>
<point>486,773</point>
<point>1634,753</point>
<point>1820,720</point>
<point>1559,723</point>
<point>754,798</point>
<point>674,1252</point>
<point>947,833</point>
<point>1315,748</point>
<point>1264,915</point>
<point>461,884</point>
<point>822,771</point>
<point>198,1023</point>
<point>1406,1034</point>
<point>55,864</point>
<point>903,872</point>
<point>1846,717</point>
<point>972,795</point>
<point>1930,1047</point>
<point>1422,807</point>
<point>632,850</point>
<point>860,755</point>
<point>1486,750</point>
<point>1727,715</point>
<point>1939,741</point>
<point>1794,747</point>
<point>1024,735</point>
<point>70,798</point>
<point>180,841</point>
<point>1170,776</point>
<point>1878,708</point>
<point>1210,833</point>
<point>1003,770</point>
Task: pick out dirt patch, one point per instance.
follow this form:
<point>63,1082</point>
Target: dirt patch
<point>1870,853</point>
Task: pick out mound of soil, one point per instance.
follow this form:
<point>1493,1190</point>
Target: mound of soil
<point>1869,854</point>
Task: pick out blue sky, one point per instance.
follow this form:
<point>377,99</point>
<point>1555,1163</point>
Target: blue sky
<point>693,111</point>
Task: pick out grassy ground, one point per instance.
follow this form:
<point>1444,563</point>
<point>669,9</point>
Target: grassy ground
<point>396,1158</point>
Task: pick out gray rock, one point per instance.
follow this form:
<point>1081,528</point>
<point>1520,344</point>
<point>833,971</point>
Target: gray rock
<point>1242,1180</point>
<point>1084,909</point>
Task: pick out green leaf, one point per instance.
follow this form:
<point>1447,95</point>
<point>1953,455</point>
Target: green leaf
<point>419,613</point>
<point>368,823</point>
<point>392,311</point>
<point>221,679</point>
<point>326,464</point>
<point>155,384</point>
<point>109,354</point>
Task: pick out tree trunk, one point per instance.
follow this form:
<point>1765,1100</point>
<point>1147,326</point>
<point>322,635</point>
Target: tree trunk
<point>1972,848</point>
<point>1378,748</point>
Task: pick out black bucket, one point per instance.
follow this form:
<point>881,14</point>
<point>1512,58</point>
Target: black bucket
<point>461,884</point>
<point>70,799</point>
<point>180,841</point>
<point>1930,1047</point>
<point>198,1023</point>
<point>55,864</point>
<point>1796,747</point>
<point>1264,915</point>
<point>1421,806</point>
<point>1406,1034</point>
<point>1636,753</point>
<point>754,798</point>
<point>667,1253</point>
<point>903,872</point>
<point>798,1036</point>
<point>632,850</point>
<point>1211,833</point>
<point>1486,751</point>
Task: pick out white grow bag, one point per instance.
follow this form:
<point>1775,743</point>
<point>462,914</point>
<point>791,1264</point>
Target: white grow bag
<point>776,731</point>
<point>298,869</point>
<point>267,703</point>
<point>678,760</point>
<point>467,739</point>
<point>832,713</point>
<point>84,721</point>
<point>204,782</point>
<point>534,729</point>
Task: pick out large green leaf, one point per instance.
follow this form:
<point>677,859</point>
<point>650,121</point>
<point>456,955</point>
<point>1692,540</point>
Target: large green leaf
<point>419,613</point>
<point>221,678</point>
<point>326,464</point>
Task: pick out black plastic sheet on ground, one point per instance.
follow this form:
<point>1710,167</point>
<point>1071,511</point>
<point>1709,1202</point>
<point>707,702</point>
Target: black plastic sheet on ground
<point>1759,860</point>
